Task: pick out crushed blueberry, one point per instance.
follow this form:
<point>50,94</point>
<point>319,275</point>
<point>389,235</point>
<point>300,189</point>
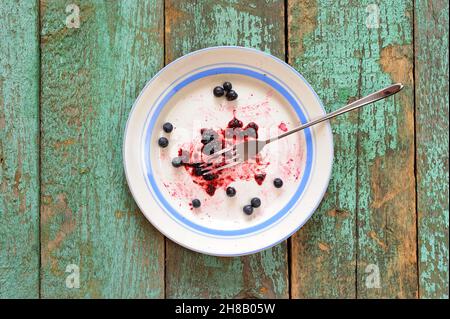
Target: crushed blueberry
<point>212,147</point>
<point>208,136</point>
<point>197,171</point>
<point>259,178</point>
<point>167,127</point>
<point>218,91</point>
<point>235,123</point>
<point>248,209</point>
<point>250,132</point>
<point>192,158</point>
<point>277,182</point>
<point>209,177</point>
<point>210,189</point>
<point>231,191</point>
<point>252,125</point>
<point>163,142</point>
<point>196,203</point>
<point>255,202</point>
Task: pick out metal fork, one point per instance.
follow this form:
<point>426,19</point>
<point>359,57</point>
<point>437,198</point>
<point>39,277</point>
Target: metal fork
<point>243,151</point>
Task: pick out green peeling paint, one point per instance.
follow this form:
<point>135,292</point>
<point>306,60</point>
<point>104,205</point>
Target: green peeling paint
<point>432,145</point>
<point>342,58</point>
<point>91,76</point>
<point>19,150</point>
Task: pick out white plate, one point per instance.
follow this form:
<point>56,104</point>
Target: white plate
<point>273,95</point>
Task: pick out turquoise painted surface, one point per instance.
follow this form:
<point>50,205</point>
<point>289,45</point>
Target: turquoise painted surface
<point>386,182</point>
<point>364,219</point>
<point>323,251</point>
<point>91,76</point>
<point>19,150</point>
<point>431,61</point>
<point>192,25</point>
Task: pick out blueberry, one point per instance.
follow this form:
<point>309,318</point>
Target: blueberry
<point>196,203</point>
<point>277,182</point>
<point>250,132</point>
<point>259,178</point>
<point>163,142</point>
<point>167,127</point>
<point>252,125</point>
<point>248,209</point>
<point>231,191</point>
<point>209,177</point>
<point>231,95</point>
<point>256,202</point>
<point>208,136</point>
<point>177,161</point>
<point>235,123</point>
<point>227,86</point>
<point>210,189</point>
<point>211,148</point>
<point>197,171</point>
<point>218,91</point>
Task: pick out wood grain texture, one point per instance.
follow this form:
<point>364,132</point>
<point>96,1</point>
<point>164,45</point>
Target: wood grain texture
<point>192,25</point>
<point>431,69</point>
<point>324,250</point>
<point>19,149</point>
<point>90,79</point>
<point>368,214</point>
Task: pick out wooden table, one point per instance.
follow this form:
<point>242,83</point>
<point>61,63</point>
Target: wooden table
<point>65,94</point>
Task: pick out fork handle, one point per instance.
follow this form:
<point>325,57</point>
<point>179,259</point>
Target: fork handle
<point>373,97</point>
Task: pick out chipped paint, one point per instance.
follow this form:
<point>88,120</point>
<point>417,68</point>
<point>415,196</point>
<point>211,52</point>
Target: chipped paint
<point>342,63</point>
<point>19,151</point>
<point>93,75</point>
<point>432,103</point>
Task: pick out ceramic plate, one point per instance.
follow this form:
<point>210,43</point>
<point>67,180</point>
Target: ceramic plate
<point>271,94</point>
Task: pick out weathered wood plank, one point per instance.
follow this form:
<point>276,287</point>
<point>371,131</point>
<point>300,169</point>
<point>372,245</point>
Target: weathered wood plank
<point>431,69</point>
<point>386,222</point>
<point>192,25</point>
<point>368,215</point>
<point>91,76</point>
<point>19,149</point>
<point>324,250</point>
